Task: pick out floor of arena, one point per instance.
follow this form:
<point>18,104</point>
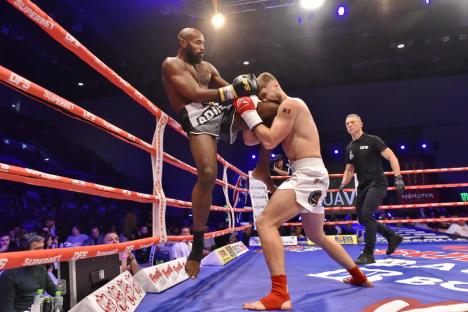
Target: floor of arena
<point>406,281</point>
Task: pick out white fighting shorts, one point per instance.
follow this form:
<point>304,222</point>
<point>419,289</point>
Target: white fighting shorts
<point>310,181</point>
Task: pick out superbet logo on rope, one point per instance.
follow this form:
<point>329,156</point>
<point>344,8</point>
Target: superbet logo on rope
<point>19,81</point>
<point>72,40</point>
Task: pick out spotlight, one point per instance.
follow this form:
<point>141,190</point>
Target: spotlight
<point>273,155</point>
<point>336,151</point>
<point>311,4</point>
<point>46,159</point>
<point>253,156</point>
<point>428,2</point>
<point>246,63</point>
<point>400,45</point>
<point>6,141</point>
<point>24,146</point>
<point>424,145</point>
<point>402,147</point>
<point>80,84</point>
<point>341,10</point>
<point>218,20</point>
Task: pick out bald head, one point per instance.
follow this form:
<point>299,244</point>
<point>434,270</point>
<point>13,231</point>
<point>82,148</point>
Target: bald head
<point>191,45</point>
<point>189,34</point>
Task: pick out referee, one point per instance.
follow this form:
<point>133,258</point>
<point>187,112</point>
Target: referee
<point>363,156</point>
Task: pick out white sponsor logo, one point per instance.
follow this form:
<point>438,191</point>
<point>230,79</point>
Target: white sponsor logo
<point>19,81</point>
<point>72,40</point>
<point>42,174</point>
<point>33,15</point>
<point>78,182</point>
<point>89,116</point>
<point>112,127</point>
<point>107,253</point>
<point>29,261</point>
<point>79,255</point>
<point>417,196</point>
<point>104,188</point>
<point>364,147</point>
<point>55,99</point>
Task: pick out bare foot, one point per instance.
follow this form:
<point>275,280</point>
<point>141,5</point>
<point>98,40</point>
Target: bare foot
<point>367,283</point>
<point>192,268</point>
<point>258,306</point>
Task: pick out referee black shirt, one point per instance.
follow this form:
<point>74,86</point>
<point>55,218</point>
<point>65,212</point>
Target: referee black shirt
<point>364,155</point>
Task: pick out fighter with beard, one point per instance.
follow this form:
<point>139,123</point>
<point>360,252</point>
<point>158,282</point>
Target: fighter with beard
<point>203,100</point>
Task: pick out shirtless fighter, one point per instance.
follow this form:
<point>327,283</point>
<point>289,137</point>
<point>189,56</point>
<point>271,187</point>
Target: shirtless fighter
<point>192,86</point>
<point>302,194</point>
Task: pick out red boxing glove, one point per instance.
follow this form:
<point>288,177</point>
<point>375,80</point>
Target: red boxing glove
<point>247,107</point>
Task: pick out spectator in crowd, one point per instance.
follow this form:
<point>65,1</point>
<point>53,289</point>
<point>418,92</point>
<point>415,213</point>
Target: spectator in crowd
<point>143,232</point>
<point>278,168</point>
<point>142,254</point>
<point>298,232</point>
<point>50,224</point>
<point>209,243</point>
<point>129,227</point>
<point>127,259</point>
<point>183,248</point>
<point>95,237</point>
<point>18,286</point>
<point>76,238</point>
<point>5,243</point>
<point>458,228</point>
<point>233,238</point>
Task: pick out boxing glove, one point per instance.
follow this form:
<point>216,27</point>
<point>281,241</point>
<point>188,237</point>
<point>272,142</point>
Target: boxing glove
<point>243,85</point>
<point>246,108</point>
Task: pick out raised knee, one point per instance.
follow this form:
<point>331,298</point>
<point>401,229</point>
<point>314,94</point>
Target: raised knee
<point>207,176</point>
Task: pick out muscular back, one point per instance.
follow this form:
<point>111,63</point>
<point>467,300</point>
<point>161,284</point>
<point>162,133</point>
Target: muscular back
<point>303,139</point>
<point>182,82</point>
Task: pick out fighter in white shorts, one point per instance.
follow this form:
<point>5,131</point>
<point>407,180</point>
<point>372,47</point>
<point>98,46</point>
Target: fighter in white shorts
<point>303,193</point>
<point>309,180</point>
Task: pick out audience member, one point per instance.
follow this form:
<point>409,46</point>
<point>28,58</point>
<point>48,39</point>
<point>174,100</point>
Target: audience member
<point>5,243</point>
<point>458,228</point>
<point>19,286</point>
<point>183,248</point>
<point>76,238</point>
<point>95,237</point>
<point>127,259</point>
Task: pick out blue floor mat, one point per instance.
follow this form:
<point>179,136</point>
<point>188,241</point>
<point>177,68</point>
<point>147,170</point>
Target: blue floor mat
<point>408,280</point>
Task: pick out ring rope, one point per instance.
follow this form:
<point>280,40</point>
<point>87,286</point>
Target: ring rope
<point>42,95</point>
<point>426,220</point>
<point>11,260</point>
<point>34,177</point>
<point>435,170</point>
<point>57,32</point>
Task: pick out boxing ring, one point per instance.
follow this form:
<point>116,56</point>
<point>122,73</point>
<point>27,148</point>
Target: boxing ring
<point>415,276</point>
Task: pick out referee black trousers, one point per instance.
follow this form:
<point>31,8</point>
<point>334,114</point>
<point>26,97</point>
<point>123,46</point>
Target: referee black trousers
<point>367,203</point>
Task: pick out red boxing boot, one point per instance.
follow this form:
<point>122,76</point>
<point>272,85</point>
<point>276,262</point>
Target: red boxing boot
<point>358,278</point>
<point>277,299</point>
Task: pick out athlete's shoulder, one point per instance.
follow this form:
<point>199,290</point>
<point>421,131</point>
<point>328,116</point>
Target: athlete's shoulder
<point>172,63</point>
